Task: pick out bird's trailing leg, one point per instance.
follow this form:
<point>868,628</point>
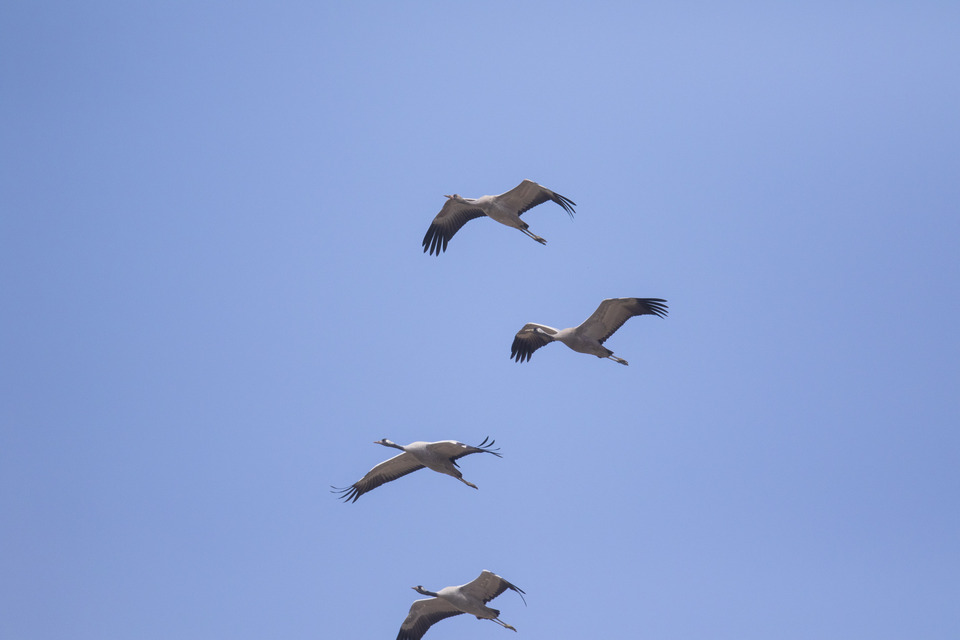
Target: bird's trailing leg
<point>469,484</point>
<point>534,236</point>
<point>616,359</point>
<point>502,623</point>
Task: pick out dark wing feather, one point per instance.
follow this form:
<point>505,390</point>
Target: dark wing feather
<point>613,312</point>
<point>527,341</point>
<point>423,614</point>
<point>483,447</point>
<point>452,216</point>
<point>396,467</point>
<point>452,449</point>
<point>529,194</point>
<point>489,585</point>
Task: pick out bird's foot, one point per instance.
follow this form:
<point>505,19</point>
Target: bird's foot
<point>534,236</point>
<point>620,360</point>
<point>501,623</point>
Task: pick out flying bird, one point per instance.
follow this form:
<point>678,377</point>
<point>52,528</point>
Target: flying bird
<point>469,598</point>
<point>505,208</point>
<point>440,456</point>
<point>589,336</point>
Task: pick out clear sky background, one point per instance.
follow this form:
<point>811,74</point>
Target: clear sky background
<point>215,300</point>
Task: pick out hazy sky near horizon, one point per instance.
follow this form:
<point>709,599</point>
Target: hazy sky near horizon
<point>215,301</point>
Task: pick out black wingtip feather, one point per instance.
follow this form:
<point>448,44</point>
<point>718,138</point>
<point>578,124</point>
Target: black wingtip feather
<point>520,591</point>
<point>566,203</point>
<point>520,353</point>
<point>488,447</point>
<point>434,242</point>
<point>347,494</point>
<point>656,306</point>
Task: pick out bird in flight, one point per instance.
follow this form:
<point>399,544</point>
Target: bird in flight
<point>591,334</point>
<point>469,598</point>
<point>440,456</point>
<point>505,208</point>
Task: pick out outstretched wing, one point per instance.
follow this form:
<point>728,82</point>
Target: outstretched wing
<point>483,447</point>
<point>423,614</point>
<point>529,194</point>
<point>529,339</point>
<point>452,216</point>
<point>488,586</point>
<point>455,450</point>
<point>396,467</point>
<point>613,312</point>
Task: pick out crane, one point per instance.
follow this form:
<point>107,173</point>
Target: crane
<point>591,334</point>
<point>440,456</point>
<point>469,598</point>
<point>505,208</point>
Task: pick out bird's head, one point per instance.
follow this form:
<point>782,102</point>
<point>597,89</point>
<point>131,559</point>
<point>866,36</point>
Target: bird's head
<point>419,589</point>
<point>455,196</point>
<point>389,443</point>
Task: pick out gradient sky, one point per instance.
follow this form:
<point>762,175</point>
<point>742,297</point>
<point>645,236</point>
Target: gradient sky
<point>215,300</point>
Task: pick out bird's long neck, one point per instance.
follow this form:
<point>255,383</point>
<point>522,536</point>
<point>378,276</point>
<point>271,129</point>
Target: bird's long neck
<point>425,592</point>
<point>388,443</point>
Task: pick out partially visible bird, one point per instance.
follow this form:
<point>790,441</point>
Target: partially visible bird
<point>469,598</point>
<point>440,456</point>
<point>589,336</point>
<point>505,208</point>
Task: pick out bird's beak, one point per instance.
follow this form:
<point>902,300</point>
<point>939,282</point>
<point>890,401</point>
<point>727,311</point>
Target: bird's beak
<point>447,196</point>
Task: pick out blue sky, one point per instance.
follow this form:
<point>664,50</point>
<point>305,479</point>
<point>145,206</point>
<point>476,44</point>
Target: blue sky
<point>216,300</point>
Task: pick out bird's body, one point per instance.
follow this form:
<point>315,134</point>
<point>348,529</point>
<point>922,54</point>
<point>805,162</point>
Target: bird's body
<point>439,456</point>
<point>469,598</point>
<point>591,334</point>
<point>505,208</point>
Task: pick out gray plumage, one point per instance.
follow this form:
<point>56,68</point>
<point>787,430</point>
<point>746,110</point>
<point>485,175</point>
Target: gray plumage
<point>469,598</point>
<point>439,456</point>
<point>591,334</point>
<point>505,208</point>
